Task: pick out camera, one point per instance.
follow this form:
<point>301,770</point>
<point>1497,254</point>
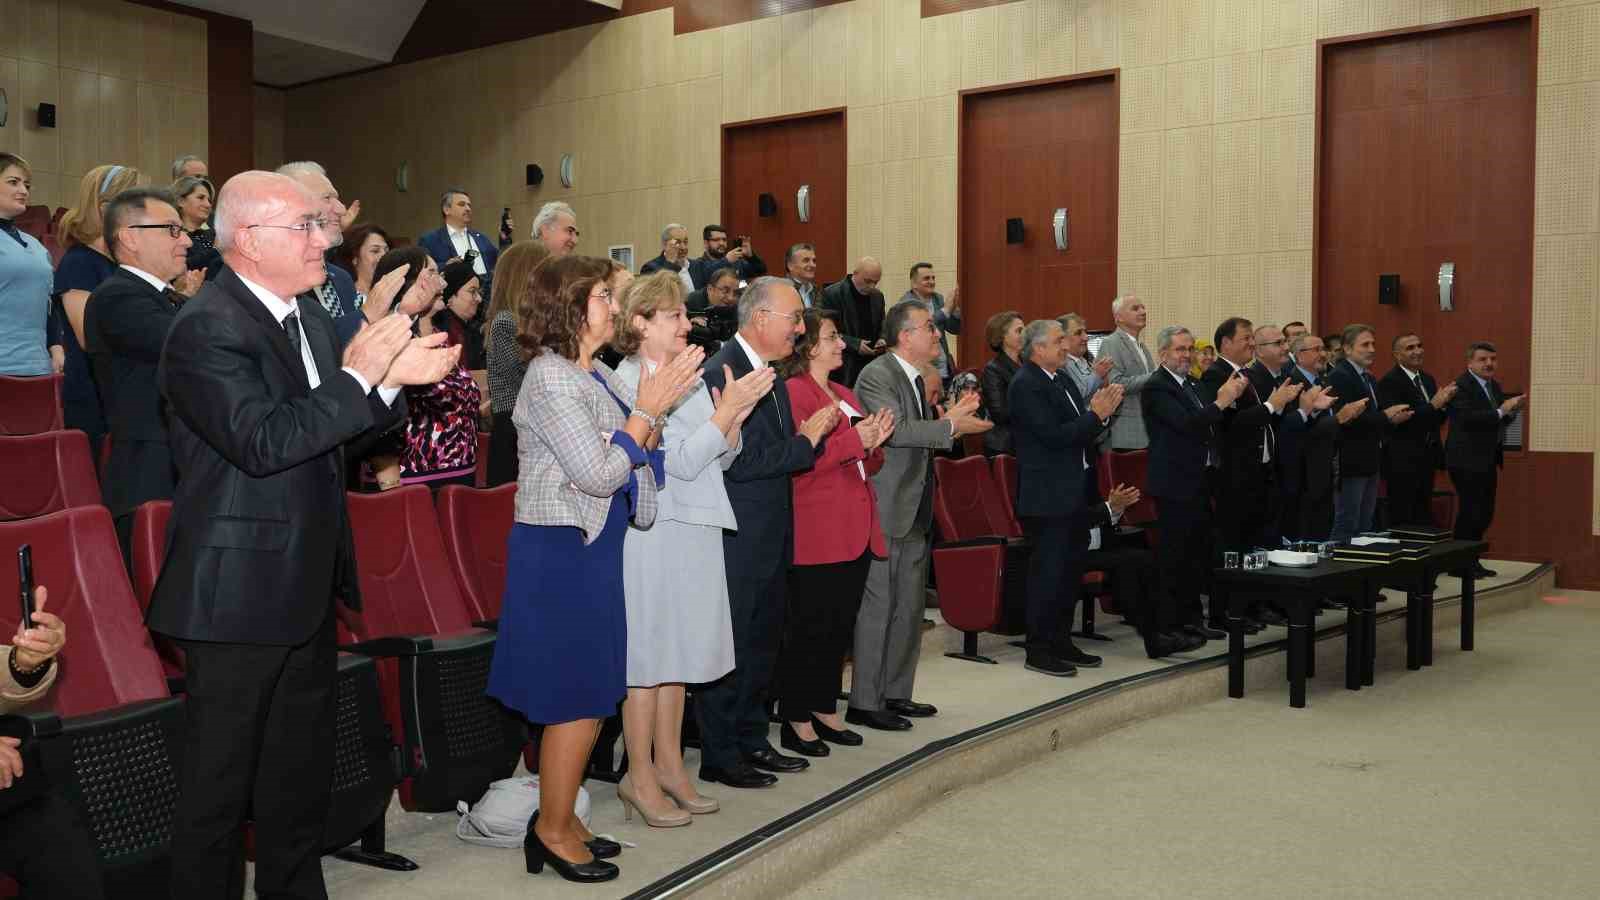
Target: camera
<point>721,323</point>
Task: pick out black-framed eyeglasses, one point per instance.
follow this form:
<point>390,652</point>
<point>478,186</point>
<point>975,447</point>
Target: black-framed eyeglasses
<point>302,227</point>
<point>171,228</point>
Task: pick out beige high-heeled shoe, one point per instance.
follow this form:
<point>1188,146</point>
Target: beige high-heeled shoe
<point>676,818</point>
<point>698,805</point>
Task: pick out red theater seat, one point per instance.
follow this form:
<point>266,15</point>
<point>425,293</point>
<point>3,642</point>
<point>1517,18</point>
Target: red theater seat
<point>30,405</point>
<point>46,473</point>
<point>1132,468</point>
<point>149,549</point>
<point>982,565</point>
<point>475,525</point>
<point>1094,583</point>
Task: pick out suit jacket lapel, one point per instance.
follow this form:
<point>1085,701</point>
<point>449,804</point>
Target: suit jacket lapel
<point>274,332</point>
<point>321,339</point>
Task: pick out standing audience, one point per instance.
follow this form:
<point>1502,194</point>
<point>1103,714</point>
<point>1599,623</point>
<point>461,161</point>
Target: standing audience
<point>1132,366</point>
<point>1414,452</point>
<point>358,254</point>
<point>457,239</point>
<point>556,227</point>
<point>1474,451</point>
<point>503,355</point>
<point>30,328</point>
<point>1003,332</point>
<point>857,305</point>
<point>946,312</point>
<point>195,197</point>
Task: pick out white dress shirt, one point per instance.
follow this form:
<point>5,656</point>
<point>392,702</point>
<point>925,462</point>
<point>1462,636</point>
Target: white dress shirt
<point>756,362</point>
<point>463,241</point>
<point>912,373</point>
<point>280,310</point>
<point>146,277</point>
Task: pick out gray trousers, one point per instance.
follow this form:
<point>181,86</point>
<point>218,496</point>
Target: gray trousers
<point>889,625</point>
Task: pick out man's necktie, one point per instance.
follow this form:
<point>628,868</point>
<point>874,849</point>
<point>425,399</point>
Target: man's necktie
<point>922,397</point>
<point>776,406</point>
<point>1372,388</point>
<point>10,227</point>
<point>291,330</point>
<point>1421,388</point>
<point>174,298</point>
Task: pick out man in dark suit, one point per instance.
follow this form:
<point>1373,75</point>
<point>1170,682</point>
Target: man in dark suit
<point>125,323</point>
<point>718,255</point>
<point>259,546</point>
<point>336,293</point>
<point>456,239</point>
<point>1182,428</point>
<point>1361,440</point>
<point>1053,432</point>
<point>1473,452</point>
<point>859,305</point>
<point>1308,445</point>
<point>674,255</point>
<point>732,711</point>
<point>1243,486</point>
<point>1413,453</point>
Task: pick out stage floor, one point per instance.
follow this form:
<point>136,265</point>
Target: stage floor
<point>969,695</point>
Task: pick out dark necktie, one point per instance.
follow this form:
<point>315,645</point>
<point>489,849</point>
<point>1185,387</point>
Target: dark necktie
<point>291,330</point>
<point>10,227</point>
<point>174,298</point>
<point>1421,388</point>
<point>922,397</point>
<point>1372,388</point>
<point>776,406</point>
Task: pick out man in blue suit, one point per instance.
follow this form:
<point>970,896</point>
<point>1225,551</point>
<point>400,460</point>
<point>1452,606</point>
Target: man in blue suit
<point>1053,431</point>
<point>337,293</point>
<point>456,238</point>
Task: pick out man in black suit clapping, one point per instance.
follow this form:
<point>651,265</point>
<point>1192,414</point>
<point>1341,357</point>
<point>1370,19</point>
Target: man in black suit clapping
<point>1413,452</point>
<point>261,404</point>
<point>1308,445</point>
<point>1362,437</point>
<point>1479,413</point>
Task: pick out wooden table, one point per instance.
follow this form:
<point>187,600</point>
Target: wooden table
<point>1416,577</point>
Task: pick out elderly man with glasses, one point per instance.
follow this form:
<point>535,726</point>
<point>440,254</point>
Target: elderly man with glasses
<point>674,256</point>
<point>336,293</point>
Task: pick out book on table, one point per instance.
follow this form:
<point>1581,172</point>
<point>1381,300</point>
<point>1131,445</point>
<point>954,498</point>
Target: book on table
<point>1423,533</point>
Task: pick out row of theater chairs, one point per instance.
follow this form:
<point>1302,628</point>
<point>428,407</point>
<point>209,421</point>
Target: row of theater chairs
<point>412,717</point>
<point>30,405</point>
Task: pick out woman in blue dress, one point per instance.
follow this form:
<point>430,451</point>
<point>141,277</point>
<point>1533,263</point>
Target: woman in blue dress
<point>585,468</point>
<point>30,342</point>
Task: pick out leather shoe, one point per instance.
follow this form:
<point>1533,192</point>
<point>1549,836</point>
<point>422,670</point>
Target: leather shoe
<point>1204,633</point>
<point>1167,643</point>
<point>1068,652</point>
<point>791,740</point>
<point>737,776</point>
<point>1046,663</point>
<point>844,737</point>
<point>773,761</point>
<point>1269,616</point>
<point>881,719</point>
<point>911,708</point>
<point>1478,571</point>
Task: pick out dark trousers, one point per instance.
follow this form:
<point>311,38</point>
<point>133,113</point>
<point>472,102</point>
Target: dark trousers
<point>502,451</point>
<point>1055,576</point>
<point>817,634</point>
<point>1474,502</point>
<point>46,846</point>
<point>1410,497</point>
<point>1183,556</point>
<point>259,747</point>
<point>1134,582</point>
<point>1245,508</point>
<point>732,710</point>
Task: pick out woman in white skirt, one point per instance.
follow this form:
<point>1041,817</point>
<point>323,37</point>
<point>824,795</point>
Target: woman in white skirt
<point>679,627</point>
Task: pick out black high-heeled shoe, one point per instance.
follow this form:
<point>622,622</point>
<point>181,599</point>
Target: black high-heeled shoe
<point>844,737</point>
<point>793,741</point>
<point>536,854</point>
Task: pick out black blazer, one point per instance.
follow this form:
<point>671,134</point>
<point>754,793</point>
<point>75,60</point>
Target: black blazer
<point>660,264</point>
<point>1361,439</point>
<point>996,384</point>
<point>259,542</point>
<point>1476,427</point>
<point>1052,441</point>
<point>856,324</point>
<point>1182,427</point>
<point>1306,448</point>
<point>1243,424</point>
<point>1413,446</point>
<point>748,269</point>
<point>758,482</point>
<point>125,323</point>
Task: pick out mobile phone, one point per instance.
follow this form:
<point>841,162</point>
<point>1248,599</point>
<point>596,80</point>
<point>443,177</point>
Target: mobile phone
<point>25,578</point>
<point>744,240</point>
<point>469,256</point>
<point>505,222</point>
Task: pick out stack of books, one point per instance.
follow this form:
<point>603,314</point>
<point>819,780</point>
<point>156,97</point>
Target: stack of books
<point>1423,534</point>
<point>1373,548</point>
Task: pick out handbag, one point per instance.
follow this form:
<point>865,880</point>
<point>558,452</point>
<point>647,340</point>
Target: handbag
<point>500,817</point>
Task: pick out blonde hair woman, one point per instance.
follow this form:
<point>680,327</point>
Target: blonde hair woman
<point>503,355</point>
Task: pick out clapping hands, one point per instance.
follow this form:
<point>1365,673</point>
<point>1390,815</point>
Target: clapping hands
<point>875,429</point>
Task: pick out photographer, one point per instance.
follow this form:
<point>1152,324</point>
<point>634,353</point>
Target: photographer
<point>43,845</point>
<point>713,310</point>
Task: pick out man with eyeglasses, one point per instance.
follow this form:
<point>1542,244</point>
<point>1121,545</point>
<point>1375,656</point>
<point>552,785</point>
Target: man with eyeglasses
<point>336,293</point>
<point>888,634</point>
<point>262,404</point>
<point>124,325</point>
<point>457,239</point>
<point>674,256</point>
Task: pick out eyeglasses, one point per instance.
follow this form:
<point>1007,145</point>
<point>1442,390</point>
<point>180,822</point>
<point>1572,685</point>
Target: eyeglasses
<point>1269,343</point>
<point>302,227</point>
<point>927,326</point>
<point>602,294</point>
<point>171,228</point>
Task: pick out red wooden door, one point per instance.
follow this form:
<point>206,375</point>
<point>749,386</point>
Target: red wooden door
<point>777,156</point>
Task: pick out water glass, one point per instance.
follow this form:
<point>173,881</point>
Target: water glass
<point>1258,560</point>
<point>1230,560</point>
<point>1325,549</point>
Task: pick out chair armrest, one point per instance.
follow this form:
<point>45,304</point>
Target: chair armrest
<point>30,725</point>
<point>987,541</point>
<point>418,644</point>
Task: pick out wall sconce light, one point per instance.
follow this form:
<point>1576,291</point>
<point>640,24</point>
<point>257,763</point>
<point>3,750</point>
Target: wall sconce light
<point>402,178</point>
<point>802,202</point>
<point>5,108</point>
<point>1447,281</point>
<point>1063,228</point>
<point>566,170</point>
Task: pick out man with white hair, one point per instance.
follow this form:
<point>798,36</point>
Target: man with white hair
<point>187,165</point>
<point>1131,366</point>
<point>556,226</point>
<point>337,291</point>
<point>674,256</point>
<point>262,404</point>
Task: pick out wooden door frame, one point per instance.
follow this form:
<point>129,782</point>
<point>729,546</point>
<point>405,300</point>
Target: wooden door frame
<point>1016,86</point>
<point>844,118</point>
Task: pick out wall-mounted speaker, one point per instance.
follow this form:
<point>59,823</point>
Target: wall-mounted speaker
<point>1389,290</point>
<point>535,175</point>
<point>1013,231</point>
<point>47,115</point>
<point>766,206</point>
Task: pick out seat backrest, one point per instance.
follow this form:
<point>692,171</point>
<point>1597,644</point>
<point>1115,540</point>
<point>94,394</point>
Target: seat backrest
<point>35,220</point>
<point>1005,477</point>
<point>475,525</point>
<point>480,475</point>
<point>149,547</point>
<point>109,659</point>
<point>966,500</point>
<point>1133,469</point>
<point>47,473</point>
<point>406,585</point>
<point>30,405</point>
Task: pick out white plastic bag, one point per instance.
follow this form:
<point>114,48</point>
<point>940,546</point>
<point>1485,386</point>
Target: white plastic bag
<point>500,818</point>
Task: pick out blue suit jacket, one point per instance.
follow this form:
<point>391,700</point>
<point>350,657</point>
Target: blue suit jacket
<point>1051,441</point>
<point>437,243</point>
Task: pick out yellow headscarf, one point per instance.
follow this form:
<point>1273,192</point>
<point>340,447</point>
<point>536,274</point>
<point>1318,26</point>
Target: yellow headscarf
<point>1196,366</point>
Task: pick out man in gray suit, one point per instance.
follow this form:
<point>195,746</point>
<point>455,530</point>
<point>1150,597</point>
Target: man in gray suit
<point>1131,365</point>
<point>889,625</point>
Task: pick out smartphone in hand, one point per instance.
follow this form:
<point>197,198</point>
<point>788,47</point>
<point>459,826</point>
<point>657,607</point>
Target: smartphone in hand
<point>25,579</point>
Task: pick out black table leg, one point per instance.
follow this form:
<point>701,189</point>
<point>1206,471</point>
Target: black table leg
<point>1311,639</point>
<point>1413,630</point>
<point>1468,600</point>
<point>1427,629</point>
<point>1298,626</point>
<point>1369,620</point>
<point>1355,651</point>
<point>1235,643</point>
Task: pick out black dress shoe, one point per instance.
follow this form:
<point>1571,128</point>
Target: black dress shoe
<point>881,719</point>
<point>791,740</point>
<point>1204,633</point>
<point>1046,663</point>
<point>773,761</point>
<point>911,708</point>
<point>1167,643</point>
<point>738,776</point>
<point>602,848</point>
<point>1069,653</point>
<point>844,738</point>
<point>1478,571</point>
<point>536,854</point>
<point>1269,616</point>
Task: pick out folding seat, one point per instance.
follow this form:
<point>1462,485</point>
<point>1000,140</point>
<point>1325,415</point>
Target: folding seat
<point>46,473</point>
<point>434,663</point>
<point>475,525</point>
<point>30,405</point>
<point>35,221</point>
<point>981,565</point>
<point>1132,468</point>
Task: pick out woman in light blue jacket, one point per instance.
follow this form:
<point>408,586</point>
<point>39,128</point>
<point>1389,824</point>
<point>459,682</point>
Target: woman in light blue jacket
<point>674,584</point>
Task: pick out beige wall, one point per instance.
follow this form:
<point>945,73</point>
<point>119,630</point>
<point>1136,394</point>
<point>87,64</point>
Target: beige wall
<point>1216,157</point>
<point>269,150</point>
<point>128,82</point>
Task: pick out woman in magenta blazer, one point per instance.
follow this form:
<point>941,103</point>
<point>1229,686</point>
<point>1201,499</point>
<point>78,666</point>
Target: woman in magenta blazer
<point>836,533</point>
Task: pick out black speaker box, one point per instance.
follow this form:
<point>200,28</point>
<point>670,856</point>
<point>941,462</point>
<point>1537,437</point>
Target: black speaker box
<point>47,115</point>
<point>1013,231</point>
<point>1389,290</point>
<point>766,206</point>
<point>535,175</point>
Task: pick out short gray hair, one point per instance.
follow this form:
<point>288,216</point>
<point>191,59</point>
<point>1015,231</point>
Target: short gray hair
<point>444,199</point>
<point>1066,320</point>
<point>757,296</point>
<point>180,162</point>
<point>1033,333</point>
<point>1120,300</point>
<point>302,167</point>
<point>1300,341</point>
<point>548,214</point>
<point>894,321</point>
<point>1164,336</point>
<point>667,231</point>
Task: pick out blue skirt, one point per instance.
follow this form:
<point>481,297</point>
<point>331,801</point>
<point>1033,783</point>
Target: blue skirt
<point>562,653</point>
